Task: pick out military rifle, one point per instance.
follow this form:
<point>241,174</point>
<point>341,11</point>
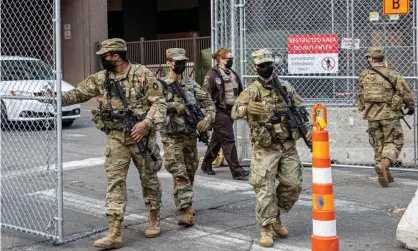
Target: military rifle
<point>294,117</point>
<point>130,119</point>
<point>195,114</point>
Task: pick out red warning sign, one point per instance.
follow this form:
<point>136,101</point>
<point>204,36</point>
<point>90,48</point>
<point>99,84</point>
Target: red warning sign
<point>312,53</point>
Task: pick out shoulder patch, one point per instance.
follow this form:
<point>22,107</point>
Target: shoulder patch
<point>155,86</point>
<point>206,80</point>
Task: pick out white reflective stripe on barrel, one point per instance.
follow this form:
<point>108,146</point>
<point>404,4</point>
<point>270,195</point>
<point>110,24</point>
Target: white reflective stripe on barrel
<point>324,228</point>
<point>321,175</point>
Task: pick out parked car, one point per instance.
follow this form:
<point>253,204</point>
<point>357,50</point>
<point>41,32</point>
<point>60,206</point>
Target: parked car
<point>25,78</point>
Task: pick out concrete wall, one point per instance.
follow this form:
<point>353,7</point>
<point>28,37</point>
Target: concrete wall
<point>88,20</point>
<point>349,143</point>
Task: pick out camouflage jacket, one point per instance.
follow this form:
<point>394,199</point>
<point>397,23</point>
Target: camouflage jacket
<point>142,91</point>
<point>263,131</point>
<point>378,99</point>
<point>196,95</point>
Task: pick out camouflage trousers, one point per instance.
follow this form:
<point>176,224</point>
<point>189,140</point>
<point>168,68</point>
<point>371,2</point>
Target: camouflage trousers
<point>181,160</point>
<point>120,149</point>
<point>386,138</point>
<point>276,177</point>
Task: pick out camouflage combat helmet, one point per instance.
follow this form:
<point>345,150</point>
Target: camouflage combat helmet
<point>375,52</point>
<point>113,44</point>
<point>262,56</point>
<point>176,54</point>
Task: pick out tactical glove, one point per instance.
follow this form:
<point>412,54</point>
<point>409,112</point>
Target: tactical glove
<point>204,124</point>
<point>179,108</point>
<point>411,111</point>
<point>309,135</point>
<point>255,108</point>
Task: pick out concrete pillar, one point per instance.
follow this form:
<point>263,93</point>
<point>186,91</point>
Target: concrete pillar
<point>88,24</point>
<point>140,19</point>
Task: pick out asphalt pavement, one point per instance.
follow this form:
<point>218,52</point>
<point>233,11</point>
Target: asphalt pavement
<point>225,208</point>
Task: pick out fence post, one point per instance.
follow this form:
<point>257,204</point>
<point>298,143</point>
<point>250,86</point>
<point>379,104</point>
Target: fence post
<point>416,85</point>
<point>195,51</point>
<point>58,72</point>
<point>141,46</point>
<point>324,237</point>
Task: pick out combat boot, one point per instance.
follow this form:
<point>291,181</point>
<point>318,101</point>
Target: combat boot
<point>266,236</point>
<point>279,228</point>
<point>390,177</point>
<point>113,238</point>
<point>188,218</point>
<point>153,229</point>
<point>381,170</point>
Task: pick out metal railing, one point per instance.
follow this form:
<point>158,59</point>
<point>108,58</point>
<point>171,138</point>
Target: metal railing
<point>152,53</point>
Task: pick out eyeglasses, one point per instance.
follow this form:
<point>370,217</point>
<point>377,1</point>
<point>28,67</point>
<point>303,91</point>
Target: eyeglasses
<point>228,58</point>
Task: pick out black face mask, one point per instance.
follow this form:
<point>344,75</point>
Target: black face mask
<point>229,63</point>
<point>179,67</point>
<point>107,64</point>
<point>265,71</point>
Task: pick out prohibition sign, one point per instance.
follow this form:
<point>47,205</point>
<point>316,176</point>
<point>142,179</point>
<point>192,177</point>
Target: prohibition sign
<point>328,63</point>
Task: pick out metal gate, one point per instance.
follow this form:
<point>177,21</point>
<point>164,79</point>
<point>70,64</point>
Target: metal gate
<point>30,149</point>
<point>343,30</point>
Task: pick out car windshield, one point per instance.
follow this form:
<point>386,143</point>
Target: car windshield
<point>13,70</point>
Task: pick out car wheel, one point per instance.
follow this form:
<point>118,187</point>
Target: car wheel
<point>67,123</point>
<point>4,120</point>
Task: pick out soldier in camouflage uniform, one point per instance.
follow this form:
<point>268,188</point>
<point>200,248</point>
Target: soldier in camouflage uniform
<point>276,170</point>
<point>145,96</point>
<point>178,136</point>
<point>381,102</point>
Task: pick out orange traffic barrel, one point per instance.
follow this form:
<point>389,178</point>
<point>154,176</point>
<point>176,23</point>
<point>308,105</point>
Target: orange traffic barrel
<point>324,237</point>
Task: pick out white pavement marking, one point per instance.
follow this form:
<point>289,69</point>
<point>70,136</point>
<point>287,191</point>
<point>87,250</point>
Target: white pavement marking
<point>99,161</point>
<point>70,165</point>
<point>135,217</point>
<point>215,183</point>
<point>406,182</point>
<point>83,204</point>
<point>75,202</point>
<point>277,247</point>
<point>219,237</point>
<point>74,135</point>
<point>211,236</point>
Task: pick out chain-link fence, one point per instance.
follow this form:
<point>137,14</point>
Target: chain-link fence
<point>30,80</point>
<point>320,48</point>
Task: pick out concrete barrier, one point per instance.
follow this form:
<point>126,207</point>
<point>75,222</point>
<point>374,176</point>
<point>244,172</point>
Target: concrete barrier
<point>407,231</point>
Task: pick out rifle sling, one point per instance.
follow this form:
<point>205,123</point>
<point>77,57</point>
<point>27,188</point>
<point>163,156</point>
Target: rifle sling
<point>385,77</point>
<point>393,87</point>
<point>119,92</point>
